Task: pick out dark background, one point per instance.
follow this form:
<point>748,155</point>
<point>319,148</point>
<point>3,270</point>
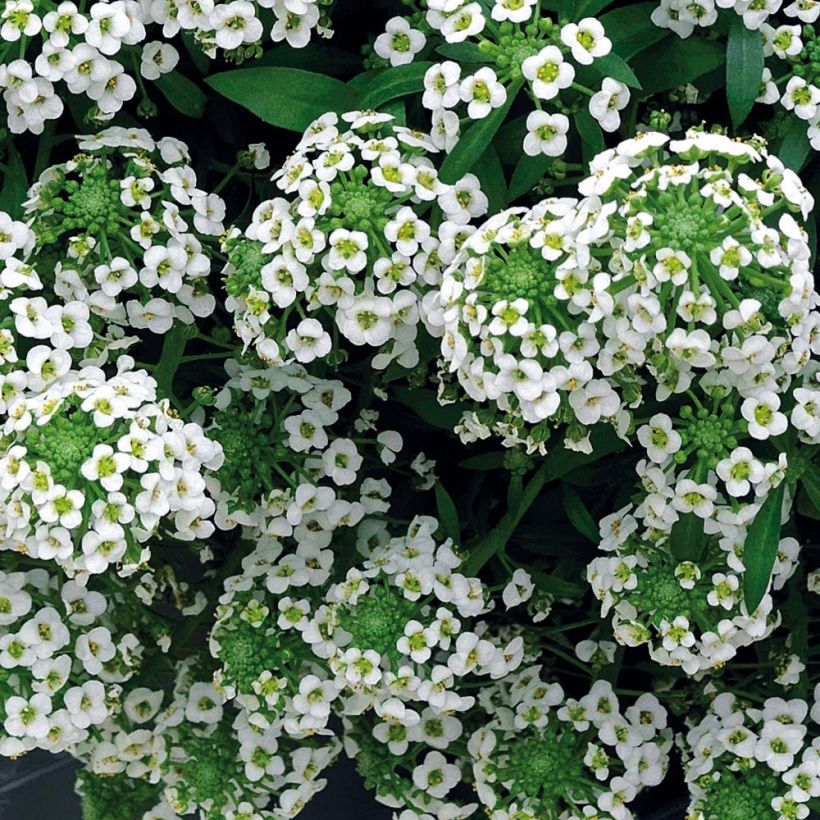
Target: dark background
<point>40,786</point>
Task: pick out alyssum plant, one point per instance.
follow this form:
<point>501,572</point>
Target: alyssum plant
<point>443,395</point>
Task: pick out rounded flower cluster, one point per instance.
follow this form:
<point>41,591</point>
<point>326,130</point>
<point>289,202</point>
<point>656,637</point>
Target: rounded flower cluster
<point>763,762</point>
<point>93,468</point>
<point>689,611</point>
<point>517,311</point>
<point>64,651</point>
<point>120,237</point>
<point>517,45</point>
<point>285,469</point>
<point>199,755</point>
<point>364,225</point>
<point>543,754</point>
<point>50,48</point>
<point>684,17</point>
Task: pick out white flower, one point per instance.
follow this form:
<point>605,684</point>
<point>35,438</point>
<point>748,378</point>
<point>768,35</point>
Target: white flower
<point>435,775</point>
<point>548,72</point>
<point>482,92</point>
<point>399,43</point>
<point>546,134</point>
<point>606,104</point>
<point>518,590</point>
<point>586,40</point>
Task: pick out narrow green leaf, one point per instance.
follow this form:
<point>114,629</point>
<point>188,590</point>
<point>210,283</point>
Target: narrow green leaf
<point>493,182</point>
<point>462,52</point>
<point>631,30</point>
<point>528,172</point>
<point>184,94</point>
<point>744,69</point>
<point>687,540</point>
<point>559,587</point>
<point>333,60</point>
<point>14,183</point>
<point>616,67</point>
<point>591,134</point>
<point>578,513</point>
<point>675,62</point>
<point>795,146</point>
<point>447,514</point>
<point>424,403</point>
<point>810,481</point>
<point>384,84</point>
<point>285,97</point>
<point>760,549</point>
<point>590,8</point>
<point>485,461</point>
<point>475,140</point>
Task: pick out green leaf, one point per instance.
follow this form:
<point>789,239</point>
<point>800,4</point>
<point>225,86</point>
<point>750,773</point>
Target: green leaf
<point>384,84</point>
<point>184,94</point>
<point>475,140</point>
<point>447,514</point>
<point>810,481</point>
<point>561,459</point>
<point>528,172</point>
<point>760,549</point>
<point>424,403</point>
<point>616,67</point>
<point>15,183</point>
<point>285,97</point>
<point>553,585</point>
<point>795,146</point>
<point>578,513</point>
<point>631,30</point>
<point>590,8</point>
<point>485,461</point>
<point>493,182</point>
<point>675,62</point>
<point>591,134</point>
<point>744,69</point>
<point>334,61</point>
<point>687,540</point>
<point>462,52</point>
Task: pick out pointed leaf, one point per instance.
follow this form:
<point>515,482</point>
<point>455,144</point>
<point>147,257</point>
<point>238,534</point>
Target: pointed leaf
<point>760,549</point>
<point>447,514</point>
<point>286,97</point>
<point>744,69</point>
<point>687,540</point>
<point>578,513</point>
<point>475,139</point>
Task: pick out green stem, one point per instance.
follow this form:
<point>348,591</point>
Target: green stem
<point>495,540</point>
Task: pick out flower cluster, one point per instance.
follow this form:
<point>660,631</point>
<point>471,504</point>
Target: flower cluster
<point>543,754</point>
<point>345,253</point>
<point>47,49</point>
<point>65,651</point>
<point>94,468</point>
<point>744,761</point>
<point>517,312</point>
<point>119,237</point>
<point>509,46</point>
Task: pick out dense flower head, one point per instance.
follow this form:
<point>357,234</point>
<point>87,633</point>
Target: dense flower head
<point>542,754</point>
<point>65,650</point>
<point>518,44</point>
<point>200,754</point>
<point>116,240</point>
<point>287,467</point>
<point>517,312</point>
<point>51,49</point>
<point>689,611</point>
<point>93,467</point>
<point>763,759</point>
<point>364,225</point>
